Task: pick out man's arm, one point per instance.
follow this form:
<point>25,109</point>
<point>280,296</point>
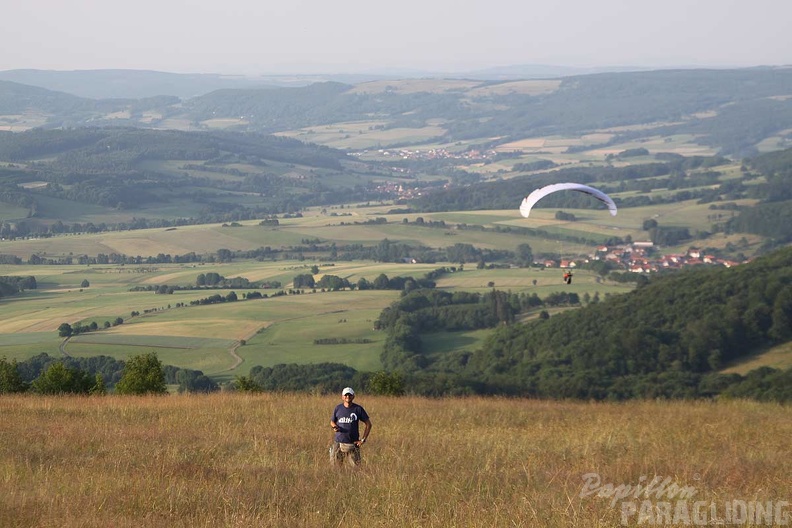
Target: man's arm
<point>366,432</point>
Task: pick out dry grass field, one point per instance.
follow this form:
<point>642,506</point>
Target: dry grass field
<point>240,460</point>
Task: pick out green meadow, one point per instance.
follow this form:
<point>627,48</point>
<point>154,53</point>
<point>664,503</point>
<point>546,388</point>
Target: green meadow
<point>227,339</point>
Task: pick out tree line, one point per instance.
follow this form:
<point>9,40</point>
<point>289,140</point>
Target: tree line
<point>12,285</point>
<point>141,374</point>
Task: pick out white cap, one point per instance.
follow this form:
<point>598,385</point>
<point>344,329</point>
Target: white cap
<point>347,390</point>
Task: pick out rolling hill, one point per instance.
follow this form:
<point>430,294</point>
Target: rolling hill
<point>731,111</point>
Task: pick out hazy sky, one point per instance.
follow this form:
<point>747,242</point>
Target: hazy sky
<point>349,36</point>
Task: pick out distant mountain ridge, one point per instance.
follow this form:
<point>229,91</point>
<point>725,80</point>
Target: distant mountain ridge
<point>136,84</point>
<point>728,111</point>
<point>128,84</point>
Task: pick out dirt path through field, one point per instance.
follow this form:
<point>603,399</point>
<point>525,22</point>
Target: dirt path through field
<point>62,347</point>
<point>238,360</point>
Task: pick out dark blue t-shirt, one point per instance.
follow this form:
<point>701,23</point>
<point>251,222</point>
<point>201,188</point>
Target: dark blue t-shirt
<point>347,420</point>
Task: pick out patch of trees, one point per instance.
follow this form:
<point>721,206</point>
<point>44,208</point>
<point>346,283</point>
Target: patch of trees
<point>215,299</point>
<point>534,166</point>
<point>777,163</point>
<point>209,280</point>
<point>422,311</point>
<point>10,259</point>
<point>304,280</point>
<point>383,282</point>
<point>669,236</point>
<point>341,341</point>
<point>44,374</point>
<point>188,380</point>
<point>12,285</point>
<point>68,330</point>
<point>567,217</point>
<point>772,220</point>
<point>630,153</point>
<point>771,217</point>
<point>215,280</point>
<point>325,377</point>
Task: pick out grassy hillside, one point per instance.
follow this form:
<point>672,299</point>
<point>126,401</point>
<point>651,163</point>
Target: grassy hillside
<point>239,460</point>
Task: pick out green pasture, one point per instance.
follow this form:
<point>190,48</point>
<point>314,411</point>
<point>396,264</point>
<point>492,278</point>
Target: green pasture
<point>521,280</point>
<point>292,341</point>
<point>774,143</point>
<point>779,357</point>
<point>683,144</point>
<point>363,135</point>
<point>438,344</point>
<point>177,167</point>
<point>485,218</point>
<point>406,86</point>
<point>21,346</point>
<point>23,121</point>
<point>57,209</point>
<point>369,270</point>
<point>10,212</point>
<point>208,355</point>
<point>527,87</point>
<point>274,330</point>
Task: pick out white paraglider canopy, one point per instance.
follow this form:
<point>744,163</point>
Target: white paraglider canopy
<point>538,194</point>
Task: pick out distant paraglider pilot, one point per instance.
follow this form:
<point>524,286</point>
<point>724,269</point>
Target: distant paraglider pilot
<point>568,277</point>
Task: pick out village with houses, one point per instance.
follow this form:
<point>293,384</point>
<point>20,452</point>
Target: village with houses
<point>473,155</point>
<point>637,258</point>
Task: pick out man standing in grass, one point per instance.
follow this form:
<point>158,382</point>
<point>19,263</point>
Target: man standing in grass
<point>345,423</point>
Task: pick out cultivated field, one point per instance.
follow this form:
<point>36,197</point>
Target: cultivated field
<point>363,135</point>
<point>241,460</point>
<point>347,226</point>
<point>227,339</point>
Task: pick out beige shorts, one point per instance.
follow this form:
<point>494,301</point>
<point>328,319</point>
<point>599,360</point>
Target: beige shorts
<point>341,453</point>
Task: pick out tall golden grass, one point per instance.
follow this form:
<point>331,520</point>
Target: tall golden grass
<point>242,460</point>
